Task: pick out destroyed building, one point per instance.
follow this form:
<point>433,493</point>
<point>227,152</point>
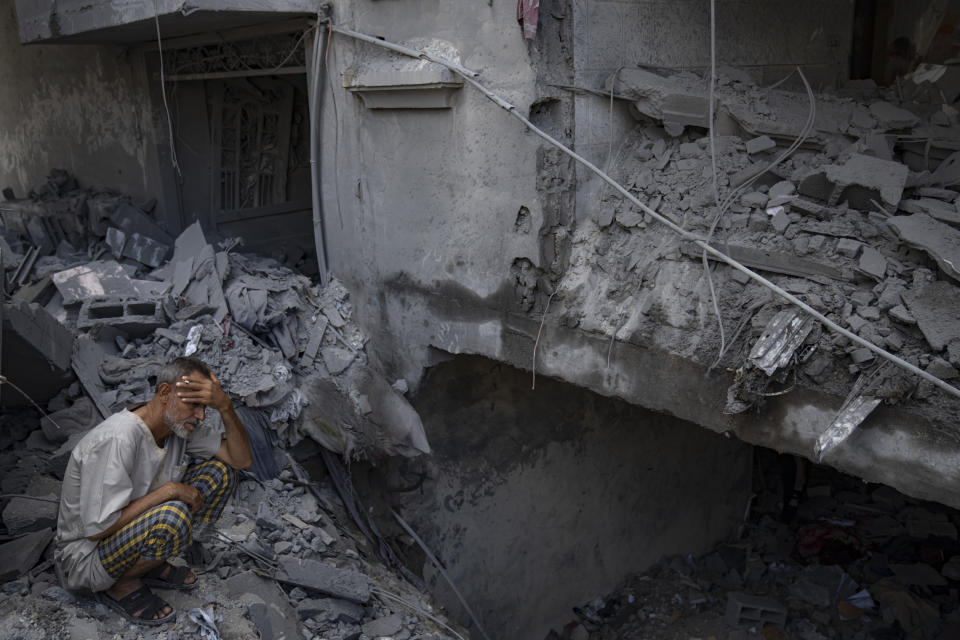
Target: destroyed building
<point>536,289</point>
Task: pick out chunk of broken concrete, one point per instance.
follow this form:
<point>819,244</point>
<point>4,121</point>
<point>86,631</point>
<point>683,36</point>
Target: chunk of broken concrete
<point>942,369</point>
<point>848,247</point>
<point>132,220</point>
<point>754,199</point>
<point>937,209</point>
<point>20,555</point>
<point>760,144</point>
<point>901,315</point>
<point>331,610</point>
<point>873,263</point>
<point>107,278</point>
<point>858,181</point>
<point>780,220</point>
<point>24,515</point>
<point>629,218</point>
<point>39,329</point>
<point>333,315</point>
<point>383,627</point>
<point>936,309</point>
<point>889,116</point>
<point>326,578</point>
<point>677,101</point>
<point>939,240</point>
<point>267,605</point>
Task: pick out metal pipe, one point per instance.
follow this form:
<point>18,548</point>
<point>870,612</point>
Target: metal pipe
<point>468,75</point>
<point>319,237</point>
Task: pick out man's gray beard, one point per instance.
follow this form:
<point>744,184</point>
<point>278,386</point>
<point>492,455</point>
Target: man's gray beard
<point>179,428</point>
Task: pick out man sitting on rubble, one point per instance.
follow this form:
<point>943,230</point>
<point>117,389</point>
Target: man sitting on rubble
<point>129,501</point>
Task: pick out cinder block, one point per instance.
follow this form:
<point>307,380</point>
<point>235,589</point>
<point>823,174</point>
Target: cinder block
<point>744,609</point>
<point>135,317</point>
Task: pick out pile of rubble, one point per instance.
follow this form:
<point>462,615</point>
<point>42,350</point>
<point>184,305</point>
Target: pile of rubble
<point>285,561</point>
<point>99,298</point>
<point>859,562</point>
<point>847,200</point>
<point>102,289</point>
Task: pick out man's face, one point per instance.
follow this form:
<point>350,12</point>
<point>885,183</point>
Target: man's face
<point>182,417</point>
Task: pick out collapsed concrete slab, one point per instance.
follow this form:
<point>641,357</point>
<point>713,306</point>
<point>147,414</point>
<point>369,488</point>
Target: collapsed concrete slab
<point>858,182</point>
<point>99,279</point>
<point>36,352</point>
<point>936,310</point>
<point>939,240</point>
<point>677,101</point>
<point>325,578</point>
<point>37,327</point>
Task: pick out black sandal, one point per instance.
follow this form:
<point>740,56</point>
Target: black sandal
<point>142,600</point>
<point>174,579</point>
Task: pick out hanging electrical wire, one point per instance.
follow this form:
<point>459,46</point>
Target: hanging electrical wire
<point>163,92</point>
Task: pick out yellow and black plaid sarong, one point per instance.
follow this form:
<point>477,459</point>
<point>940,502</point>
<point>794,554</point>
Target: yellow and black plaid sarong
<point>167,529</point>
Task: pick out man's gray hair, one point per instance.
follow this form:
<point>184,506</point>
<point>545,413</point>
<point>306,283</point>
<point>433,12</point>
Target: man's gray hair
<point>182,367</point>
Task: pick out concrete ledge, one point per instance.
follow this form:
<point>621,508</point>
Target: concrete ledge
<point>895,446</point>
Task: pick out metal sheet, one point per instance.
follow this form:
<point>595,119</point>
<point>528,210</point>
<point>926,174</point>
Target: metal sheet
<point>849,418</point>
<point>780,339</point>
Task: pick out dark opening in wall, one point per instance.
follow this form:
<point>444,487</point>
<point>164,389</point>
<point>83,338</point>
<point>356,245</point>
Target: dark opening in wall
<point>534,500</point>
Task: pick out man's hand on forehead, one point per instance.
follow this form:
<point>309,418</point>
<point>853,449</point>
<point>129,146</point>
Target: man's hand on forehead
<point>198,389</point>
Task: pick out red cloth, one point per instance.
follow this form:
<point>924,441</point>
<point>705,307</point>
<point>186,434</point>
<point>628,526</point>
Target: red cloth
<point>528,14</point>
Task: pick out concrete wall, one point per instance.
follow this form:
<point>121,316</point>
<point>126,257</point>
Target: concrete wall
<point>539,501</point>
<point>422,219</point>
<point>82,108</point>
<point>428,196</point>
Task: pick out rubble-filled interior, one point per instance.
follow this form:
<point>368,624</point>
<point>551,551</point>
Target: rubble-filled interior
<point>849,560</point>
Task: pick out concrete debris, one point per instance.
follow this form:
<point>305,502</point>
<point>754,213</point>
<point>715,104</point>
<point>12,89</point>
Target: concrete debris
<point>761,144</point>
<point>25,515</point>
<point>677,101</point>
<point>890,117</point>
<point>858,182</point>
<point>35,326</point>
<point>99,279</point>
<point>935,309</point>
<point>939,240</point>
<point>855,222</point>
<point>136,318</point>
<point>383,627</point>
<point>873,263</point>
<point>747,610</point>
<point>20,555</point>
<point>328,579</point>
<point>936,209</point>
